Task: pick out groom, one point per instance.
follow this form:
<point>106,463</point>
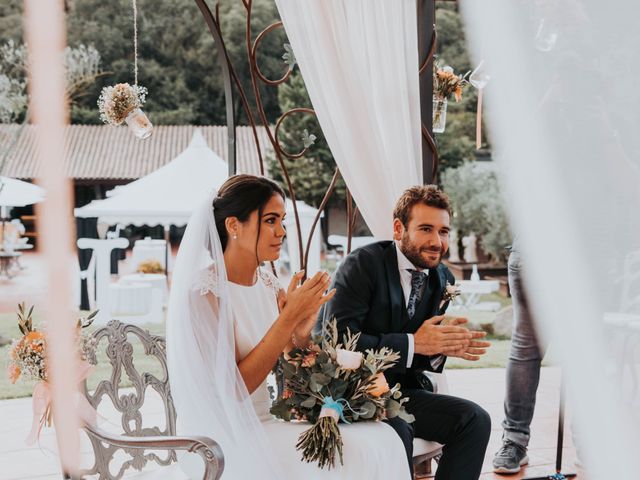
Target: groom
<point>392,293</point>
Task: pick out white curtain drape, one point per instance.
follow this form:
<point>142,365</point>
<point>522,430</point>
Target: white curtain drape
<point>563,116</point>
<point>359,61</point>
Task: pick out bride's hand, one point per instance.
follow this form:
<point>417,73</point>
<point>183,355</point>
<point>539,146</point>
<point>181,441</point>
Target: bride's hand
<point>304,301</point>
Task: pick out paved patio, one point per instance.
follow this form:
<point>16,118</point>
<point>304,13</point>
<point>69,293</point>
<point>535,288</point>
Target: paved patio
<point>484,386</point>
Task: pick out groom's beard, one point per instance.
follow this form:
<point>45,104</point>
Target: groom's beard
<point>416,254</point>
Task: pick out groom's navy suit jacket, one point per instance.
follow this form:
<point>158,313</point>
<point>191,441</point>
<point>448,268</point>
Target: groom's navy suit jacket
<point>369,299</point>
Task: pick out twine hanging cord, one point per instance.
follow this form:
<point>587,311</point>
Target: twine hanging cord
<point>135,41</point>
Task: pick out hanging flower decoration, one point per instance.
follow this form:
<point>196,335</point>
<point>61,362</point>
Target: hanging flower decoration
<point>28,359</point>
<point>121,103</point>
<point>445,84</point>
<point>118,101</point>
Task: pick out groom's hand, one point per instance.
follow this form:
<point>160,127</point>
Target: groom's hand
<point>434,339</point>
<point>475,349</point>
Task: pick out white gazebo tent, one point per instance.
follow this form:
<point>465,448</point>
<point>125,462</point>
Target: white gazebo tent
<point>166,196</point>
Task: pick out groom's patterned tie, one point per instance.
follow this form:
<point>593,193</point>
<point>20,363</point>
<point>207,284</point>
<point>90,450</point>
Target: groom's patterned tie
<point>418,280</point>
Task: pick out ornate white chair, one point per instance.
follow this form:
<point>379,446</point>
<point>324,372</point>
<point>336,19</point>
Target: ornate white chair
<point>140,443</point>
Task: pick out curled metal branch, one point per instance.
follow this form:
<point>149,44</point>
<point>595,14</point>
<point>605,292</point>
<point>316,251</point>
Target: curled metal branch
<point>432,51</point>
<point>254,57</point>
<point>323,204</point>
<point>434,149</point>
<point>277,144</point>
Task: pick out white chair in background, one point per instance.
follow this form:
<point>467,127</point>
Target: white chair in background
<point>88,274</point>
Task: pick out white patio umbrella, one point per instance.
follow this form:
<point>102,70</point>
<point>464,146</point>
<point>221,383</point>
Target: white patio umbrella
<point>16,193</point>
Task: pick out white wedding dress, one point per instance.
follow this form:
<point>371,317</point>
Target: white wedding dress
<point>211,322</point>
<point>372,450</point>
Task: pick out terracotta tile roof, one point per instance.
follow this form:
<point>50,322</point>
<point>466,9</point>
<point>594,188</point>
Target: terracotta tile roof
<point>103,152</point>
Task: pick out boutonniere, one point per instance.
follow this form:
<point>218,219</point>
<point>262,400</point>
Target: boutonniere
<point>451,291</point>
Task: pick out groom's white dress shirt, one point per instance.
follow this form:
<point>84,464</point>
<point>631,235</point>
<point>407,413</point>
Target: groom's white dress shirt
<point>404,267</point>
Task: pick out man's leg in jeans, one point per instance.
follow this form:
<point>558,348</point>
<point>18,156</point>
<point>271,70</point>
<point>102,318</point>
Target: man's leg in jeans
<point>523,368</point>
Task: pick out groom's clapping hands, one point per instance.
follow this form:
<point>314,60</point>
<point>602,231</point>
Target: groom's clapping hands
<point>451,340</point>
<point>475,349</point>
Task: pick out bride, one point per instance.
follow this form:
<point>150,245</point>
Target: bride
<point>228,322</point>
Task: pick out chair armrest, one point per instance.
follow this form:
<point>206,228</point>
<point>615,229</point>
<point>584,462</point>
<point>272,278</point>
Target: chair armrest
<point>207,448</point>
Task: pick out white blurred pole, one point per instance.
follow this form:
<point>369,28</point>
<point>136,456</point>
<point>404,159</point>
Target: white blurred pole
<point>45,37</point>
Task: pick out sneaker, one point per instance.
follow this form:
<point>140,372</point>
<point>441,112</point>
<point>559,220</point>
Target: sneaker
<point>510,458</point>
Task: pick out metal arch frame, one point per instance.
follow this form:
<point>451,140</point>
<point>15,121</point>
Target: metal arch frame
<point>426,30</point>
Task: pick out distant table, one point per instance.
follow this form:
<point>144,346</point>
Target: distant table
<point>470,291</point>
<point>129,299</point>
<point>148,249</point>
<point>14,248</point>
<point>8,260</point>
<point>158,281</point>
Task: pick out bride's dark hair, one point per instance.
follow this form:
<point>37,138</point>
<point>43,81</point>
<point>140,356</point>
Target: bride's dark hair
<point>238,197</point>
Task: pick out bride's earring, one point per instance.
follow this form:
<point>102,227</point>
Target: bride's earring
<point>235,237</point>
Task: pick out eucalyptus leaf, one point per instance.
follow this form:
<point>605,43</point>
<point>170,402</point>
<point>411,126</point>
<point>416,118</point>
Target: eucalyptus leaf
<point>393,408</point>
<point>339,388</point>
<point>321,378</point>
<point>367,410</point>
<point>329,369</point>
<point>288,369</point>
<point>309,402</point>
<point>322,357</point>
<point>407,417</point>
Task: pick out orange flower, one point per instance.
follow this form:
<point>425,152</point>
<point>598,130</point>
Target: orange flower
<point>35,340</point>
<point>287,393</point>
<point>379,386</point>
<point>14,373</point>
<point>458,93</point>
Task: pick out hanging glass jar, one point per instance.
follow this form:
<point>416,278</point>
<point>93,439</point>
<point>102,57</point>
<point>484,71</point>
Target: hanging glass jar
<point>139,124</point>
<point>439,114</point>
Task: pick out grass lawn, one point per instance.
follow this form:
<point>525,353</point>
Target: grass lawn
<point>22,388</point>
<point>496,356</point>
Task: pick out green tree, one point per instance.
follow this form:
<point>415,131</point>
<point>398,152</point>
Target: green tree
<point>177,58</point>
<point>478,206</point>
<point>457,144</point>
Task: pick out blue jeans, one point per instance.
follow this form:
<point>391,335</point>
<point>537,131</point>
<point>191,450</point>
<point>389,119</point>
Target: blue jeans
<point>523,368</point>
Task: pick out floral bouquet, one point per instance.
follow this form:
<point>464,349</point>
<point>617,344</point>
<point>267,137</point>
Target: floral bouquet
<point>122,103</point>
<point>28,359</point>
<point>328,382</point>
<point>150,266</point>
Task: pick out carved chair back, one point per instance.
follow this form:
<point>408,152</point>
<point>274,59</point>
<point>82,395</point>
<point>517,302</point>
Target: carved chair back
<point>121,340</point>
